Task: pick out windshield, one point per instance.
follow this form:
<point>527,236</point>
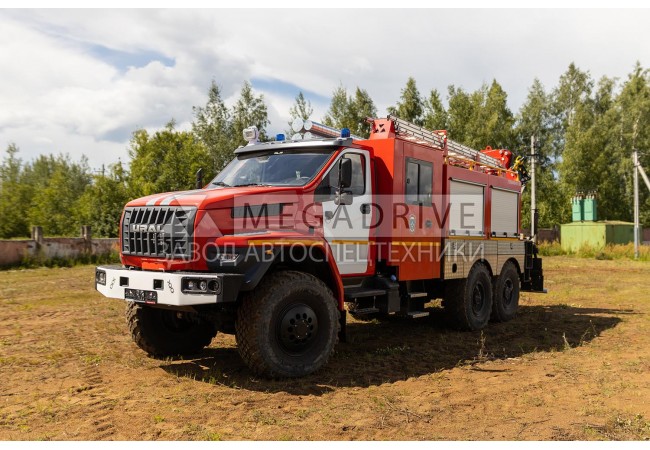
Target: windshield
<point>275,168</point>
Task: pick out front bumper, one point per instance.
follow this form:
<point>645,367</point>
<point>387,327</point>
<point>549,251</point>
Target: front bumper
<point>166,288</point>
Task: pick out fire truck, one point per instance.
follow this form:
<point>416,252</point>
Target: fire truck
<point>295,234</point>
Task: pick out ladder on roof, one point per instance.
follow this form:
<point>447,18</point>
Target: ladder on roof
<point>402,127</point>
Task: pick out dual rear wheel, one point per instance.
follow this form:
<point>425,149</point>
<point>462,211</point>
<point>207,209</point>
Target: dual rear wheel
<point>471,303</point>
<point>506,293</point>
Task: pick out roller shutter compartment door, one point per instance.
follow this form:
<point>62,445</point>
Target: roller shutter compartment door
<point>504,212</point>
<point>466,211</point>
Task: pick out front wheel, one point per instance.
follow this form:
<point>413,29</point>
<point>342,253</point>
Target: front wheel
<point>288,326</point>
<point>164,332</point>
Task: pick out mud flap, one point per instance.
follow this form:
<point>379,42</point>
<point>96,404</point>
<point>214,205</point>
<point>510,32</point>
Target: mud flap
<point>343,322</point>
<point>533,276</point>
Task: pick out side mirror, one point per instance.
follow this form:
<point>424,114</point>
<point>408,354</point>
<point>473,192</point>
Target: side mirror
<point>345,173</point>
<point>199,179</point>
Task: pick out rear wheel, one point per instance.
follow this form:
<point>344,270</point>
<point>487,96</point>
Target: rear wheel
<point>164,332</point>
<point>288,326</point>
<point>468,302</point>
<point>506,294</point>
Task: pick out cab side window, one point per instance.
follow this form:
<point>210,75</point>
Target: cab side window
<point>418,181</point>
<point>326,190</point>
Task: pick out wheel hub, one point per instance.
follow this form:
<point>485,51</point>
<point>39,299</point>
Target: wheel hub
<point>298,328</point>
<point>478,299</point>
<point>508,290</point>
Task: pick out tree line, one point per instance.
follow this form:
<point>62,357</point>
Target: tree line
<point>586,130</point>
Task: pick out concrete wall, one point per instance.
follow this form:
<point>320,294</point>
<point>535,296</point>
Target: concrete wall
<point>13,252</point>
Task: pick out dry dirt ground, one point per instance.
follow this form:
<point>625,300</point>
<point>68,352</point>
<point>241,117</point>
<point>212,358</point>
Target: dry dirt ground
<point>575,364</point>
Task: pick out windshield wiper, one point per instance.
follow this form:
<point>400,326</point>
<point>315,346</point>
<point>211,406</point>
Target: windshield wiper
<point>250,184</point>
<point>221,183</point>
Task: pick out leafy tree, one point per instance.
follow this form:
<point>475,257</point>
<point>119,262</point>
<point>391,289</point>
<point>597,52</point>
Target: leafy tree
<point>212,127</point>
<point>589,158</point>
<point>461,113</point>
<point>351,112</point>
<point>534,119</point>
<point>37,173</point>
<point>594,157</point>
<point>361,107</point>
<point>53,204</point>
<point>248,111</point>
<point>338,114</point>
<point>496,121</point>
<point>102,203</point>
<point>573,90</point>
<point>165,161</point>
<point>13,196</point>
<point>480,118</point>
<point>411,107</point>
<point>633,107</point>
<point>435,115</point>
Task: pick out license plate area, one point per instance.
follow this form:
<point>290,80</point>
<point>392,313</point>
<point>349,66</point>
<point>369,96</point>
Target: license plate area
<point>141,296</point>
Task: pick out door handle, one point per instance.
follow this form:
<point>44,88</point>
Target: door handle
<point>365,208</point>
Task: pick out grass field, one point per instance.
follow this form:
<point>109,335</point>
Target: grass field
<point>575,364</point>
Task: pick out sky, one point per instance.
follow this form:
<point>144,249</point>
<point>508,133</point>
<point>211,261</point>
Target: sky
<point>81,81</point>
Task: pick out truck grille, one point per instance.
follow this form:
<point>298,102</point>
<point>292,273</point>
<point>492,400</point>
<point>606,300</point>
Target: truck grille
<point>158,231</point>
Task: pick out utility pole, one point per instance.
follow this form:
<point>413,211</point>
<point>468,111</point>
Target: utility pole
<point>635,160</point>
<point>638,169</point>
<point>533,202</point>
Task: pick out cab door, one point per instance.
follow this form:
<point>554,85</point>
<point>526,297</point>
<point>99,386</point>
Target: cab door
<point>347,227</point>
<point>417,239</point>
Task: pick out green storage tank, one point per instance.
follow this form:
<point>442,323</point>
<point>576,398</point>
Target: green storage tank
<point>577,208</point>
<point>590,208</point>
<point>595,234</point>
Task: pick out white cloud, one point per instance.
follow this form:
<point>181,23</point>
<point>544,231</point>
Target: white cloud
<point>61,88</point>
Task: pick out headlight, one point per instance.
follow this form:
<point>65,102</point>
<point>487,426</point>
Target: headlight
<point>100,277</point>
<point>201,286</point>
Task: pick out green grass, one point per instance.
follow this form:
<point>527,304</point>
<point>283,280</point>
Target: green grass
<point>610,252</point>
<point>32,262</point>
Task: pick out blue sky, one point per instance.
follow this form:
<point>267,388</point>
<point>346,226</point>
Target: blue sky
<point>81,81</point>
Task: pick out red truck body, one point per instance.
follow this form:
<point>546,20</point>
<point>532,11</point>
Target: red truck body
<point>385,224</point>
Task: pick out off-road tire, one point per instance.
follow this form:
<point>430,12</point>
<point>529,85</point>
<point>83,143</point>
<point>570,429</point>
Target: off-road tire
<point>505,301</point>
<point>272,340</point>
<point>468,302</point>
<point>163,332</point>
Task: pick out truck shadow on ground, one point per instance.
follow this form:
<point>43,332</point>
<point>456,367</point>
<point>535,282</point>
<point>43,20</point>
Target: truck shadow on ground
<point>393,349</point>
